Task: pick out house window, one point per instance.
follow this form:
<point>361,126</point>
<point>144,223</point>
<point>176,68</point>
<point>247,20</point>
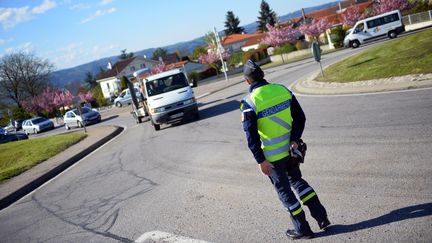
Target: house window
<point>132,68</point>
<point>143,65</point>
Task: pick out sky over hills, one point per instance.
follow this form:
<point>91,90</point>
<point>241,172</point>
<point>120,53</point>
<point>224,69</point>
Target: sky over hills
<point>73,32</point>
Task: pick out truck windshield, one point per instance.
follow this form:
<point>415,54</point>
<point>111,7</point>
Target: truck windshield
<point>166,84</point>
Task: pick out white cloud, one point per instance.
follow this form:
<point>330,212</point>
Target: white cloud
<point>98,13</point>
<point>78,53</point>
<point>10,17</point>
<point>80,6</point>
<point>105,2</point>
<point>45,6</point>
<point>25,47</point>
<point>4,41</point>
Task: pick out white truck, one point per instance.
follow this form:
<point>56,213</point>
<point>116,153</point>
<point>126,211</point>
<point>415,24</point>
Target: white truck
<point>168,97</point>
<point>387,24</point>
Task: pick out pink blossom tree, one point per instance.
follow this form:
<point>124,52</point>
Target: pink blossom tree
<point>383,6</point>
<point>86,97</point>
<point>162,67</point>
<point>278,36</point>
<point>212,59</point>
<point>351,16</point>
<point>315,28</point>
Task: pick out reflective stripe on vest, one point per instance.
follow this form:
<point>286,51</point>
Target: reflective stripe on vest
<point>271,104</point>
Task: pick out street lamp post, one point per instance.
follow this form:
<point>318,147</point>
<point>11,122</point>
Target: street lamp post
<point>220,50</point>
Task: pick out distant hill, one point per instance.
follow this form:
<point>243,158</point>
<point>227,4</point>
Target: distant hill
<point>62,77</point>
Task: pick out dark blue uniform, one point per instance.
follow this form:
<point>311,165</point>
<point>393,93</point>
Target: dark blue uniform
<point>285,175</point>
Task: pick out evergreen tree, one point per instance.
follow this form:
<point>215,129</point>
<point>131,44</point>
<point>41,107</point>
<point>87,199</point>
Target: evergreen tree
<point>266,16</point>
<point>232,24</point>
<point>159,52</point>
<point>125,55</point>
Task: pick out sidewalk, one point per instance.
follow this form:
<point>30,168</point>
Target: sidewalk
<point>312,87</point>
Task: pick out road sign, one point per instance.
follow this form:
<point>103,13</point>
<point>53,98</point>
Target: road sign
<point>316,51</point>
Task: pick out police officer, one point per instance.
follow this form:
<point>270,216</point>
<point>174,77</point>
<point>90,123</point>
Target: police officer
<point>274,121</point>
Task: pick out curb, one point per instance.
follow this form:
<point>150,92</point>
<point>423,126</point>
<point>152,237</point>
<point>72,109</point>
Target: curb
<point>26,189</point>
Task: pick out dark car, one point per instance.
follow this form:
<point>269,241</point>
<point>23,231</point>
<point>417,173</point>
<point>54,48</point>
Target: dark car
<point>8,137</point>
<point>18,124</point>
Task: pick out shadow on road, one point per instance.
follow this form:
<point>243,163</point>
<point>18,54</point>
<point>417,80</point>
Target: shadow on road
<point>410,212</point>
<point>109,118</point>
<point>219,109</point>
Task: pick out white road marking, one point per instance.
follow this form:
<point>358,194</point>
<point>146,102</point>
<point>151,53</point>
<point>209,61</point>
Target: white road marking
<point>205,94</point>
<point>159,236</point>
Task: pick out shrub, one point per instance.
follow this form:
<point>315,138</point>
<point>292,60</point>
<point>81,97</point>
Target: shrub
<point>301,45</point>
<point>286,48</point>
<point>255,55</point>
<point>235,59</point>
<point>99,98</point>
<point>337,36</point>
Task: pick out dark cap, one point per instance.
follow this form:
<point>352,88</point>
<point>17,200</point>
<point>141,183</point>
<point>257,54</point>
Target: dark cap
<point>252,71</point>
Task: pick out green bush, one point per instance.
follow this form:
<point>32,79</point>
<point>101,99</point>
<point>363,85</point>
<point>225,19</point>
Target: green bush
<point>337,36</point>
<point>98,95</point>
<point>235,59</point>
<point>194,76</point>
<point>17,113</point>
<point>285,48</point>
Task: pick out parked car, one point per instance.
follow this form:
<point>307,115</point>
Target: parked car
<point>125,97</point>
<point>37,125</point>
<point>72,118</point>
<point>9,137</point>
<point>18,124</point>
<point>10,127</point>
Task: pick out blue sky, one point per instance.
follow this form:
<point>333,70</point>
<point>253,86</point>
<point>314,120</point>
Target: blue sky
<point>73,32</point>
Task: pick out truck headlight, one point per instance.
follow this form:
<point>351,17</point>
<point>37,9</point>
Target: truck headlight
<point>189,101</point>
<point>157,110</point>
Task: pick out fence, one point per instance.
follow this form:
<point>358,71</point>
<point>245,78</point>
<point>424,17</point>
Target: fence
<point>417,18</point>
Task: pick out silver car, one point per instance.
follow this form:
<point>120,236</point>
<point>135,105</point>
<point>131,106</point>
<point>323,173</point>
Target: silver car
<point>125,97</point>
<point>73,118</point>
<point>37,125</point>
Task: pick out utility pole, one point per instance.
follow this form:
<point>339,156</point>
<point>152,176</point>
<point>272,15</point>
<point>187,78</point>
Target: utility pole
<point>220,50</point>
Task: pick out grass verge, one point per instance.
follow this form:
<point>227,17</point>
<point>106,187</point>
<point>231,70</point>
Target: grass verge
<point>17,157</point>
<point>408,55</point>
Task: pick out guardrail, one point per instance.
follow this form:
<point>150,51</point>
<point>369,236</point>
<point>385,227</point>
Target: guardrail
<point>417,18</point>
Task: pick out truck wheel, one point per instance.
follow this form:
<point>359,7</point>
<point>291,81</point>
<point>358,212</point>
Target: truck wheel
<point>355,44</point>
<point>156,127</point>
<point>392,34</point>
<point>118,104</point>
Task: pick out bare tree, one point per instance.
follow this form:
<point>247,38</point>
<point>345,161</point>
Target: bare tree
<point>23,76</point>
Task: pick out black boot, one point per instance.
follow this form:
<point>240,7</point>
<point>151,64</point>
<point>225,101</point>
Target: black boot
<point>324,224</point>
<point>294,235</point>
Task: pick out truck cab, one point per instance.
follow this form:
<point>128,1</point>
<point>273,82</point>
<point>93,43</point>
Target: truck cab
<point>168,97</point>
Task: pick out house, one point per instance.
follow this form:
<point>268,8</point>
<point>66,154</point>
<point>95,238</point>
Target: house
<point>188,66</point>
<point>253,42</point>
<point>235,42</point>
<point>110,80</point>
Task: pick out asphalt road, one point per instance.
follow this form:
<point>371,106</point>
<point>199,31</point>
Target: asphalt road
<point>369,159</point>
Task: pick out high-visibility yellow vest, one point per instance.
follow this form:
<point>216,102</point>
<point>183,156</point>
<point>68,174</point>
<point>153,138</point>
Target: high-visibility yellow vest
<point>272,103</point>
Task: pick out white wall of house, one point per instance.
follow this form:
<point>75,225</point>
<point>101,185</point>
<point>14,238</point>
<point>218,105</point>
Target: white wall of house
<point>109,86</point>
<point>233,47</point>
<point>251,47</point>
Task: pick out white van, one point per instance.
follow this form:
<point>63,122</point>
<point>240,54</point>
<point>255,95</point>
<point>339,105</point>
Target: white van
<point>169,97</point>
<point>387,24</point>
